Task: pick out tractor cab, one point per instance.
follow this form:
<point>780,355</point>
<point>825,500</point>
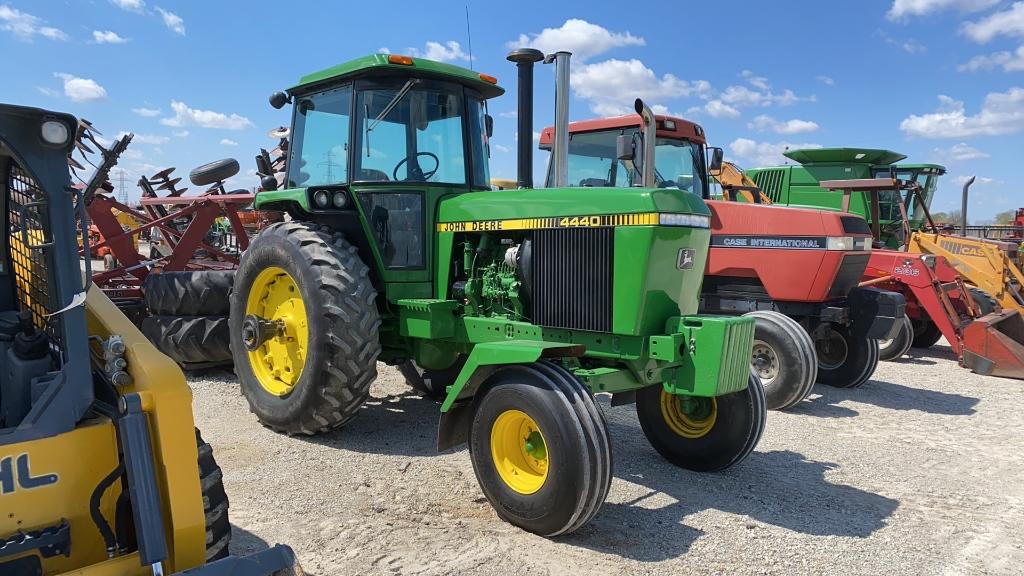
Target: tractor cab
<point>382,138</point>
<point>926,176</point>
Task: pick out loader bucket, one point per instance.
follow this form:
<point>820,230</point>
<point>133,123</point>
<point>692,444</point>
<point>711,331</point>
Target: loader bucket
<point>994,345</point>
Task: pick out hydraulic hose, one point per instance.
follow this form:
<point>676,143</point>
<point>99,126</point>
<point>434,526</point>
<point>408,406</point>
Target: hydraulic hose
<point>94,509</point>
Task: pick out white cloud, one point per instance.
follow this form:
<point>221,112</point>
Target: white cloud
<point>719,109</point>
<point>1008,61</point>
<point>612,85</point>
<point>764,153</point>
<point>228,142</point>
<point>107,37</point>
<point>172,21</point>
<point>743,96</point>
<point>583,39</point>
<point>978,180</point>
<point>1001,113</point>
<point>384,50</point>
<point>826,80</point>
<point>902,8</point>
<point>147,139</point>
<point>185,116</point>
<point>146,112</point>
<point>959,153</point>
<point>130,5</point>
<point>81,89</point>
<point>509,114</point>
<point>759,82</point>
<point>48,91</point>
<point>181,134</point>
<point>794,126</point>
<point>447,52</point>
<point>25,26</point>
<point>1009,22</point>
<point>501,148</point>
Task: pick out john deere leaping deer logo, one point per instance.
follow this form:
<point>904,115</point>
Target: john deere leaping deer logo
<point>685,259</point>
<point>15,474</point>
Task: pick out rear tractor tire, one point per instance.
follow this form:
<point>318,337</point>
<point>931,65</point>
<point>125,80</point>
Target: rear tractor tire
<point>926,333</point>
<point>898,345</point>
<point>703,434</point>
<point>304,328</point>
<point>983,300</point>
<point>540,448</point>
<point>191,341</point>
<point>783,358</point>
<point>194,293</point>
<point>844,360</point>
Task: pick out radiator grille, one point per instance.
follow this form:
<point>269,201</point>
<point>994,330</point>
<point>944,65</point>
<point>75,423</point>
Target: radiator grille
<point>572,278</point>
<point>849,276</point>
<point>31,268</point>
<point>770,182</point>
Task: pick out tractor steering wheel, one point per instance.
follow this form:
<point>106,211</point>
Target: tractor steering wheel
<point>415,172</point>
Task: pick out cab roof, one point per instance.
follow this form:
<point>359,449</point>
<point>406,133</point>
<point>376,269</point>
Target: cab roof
<point>844,156</point>
<point>382,65</point>
<point>682,129</point>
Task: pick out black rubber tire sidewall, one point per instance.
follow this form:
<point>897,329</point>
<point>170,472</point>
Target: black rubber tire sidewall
<point>788,386</point>
<point>738,427</point>
<point>214,172</point>
<point>926,333</point>
<point>192,293</point>
<point>985,302</point>
<point>860,363</point>
<point>190,339</point>
<point>215,502</point>
<point>900,343</point>
<point>549,510</point>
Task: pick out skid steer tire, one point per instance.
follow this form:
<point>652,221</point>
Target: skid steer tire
<point>540,448</point>
<point>215,502</point>
<point>783,358</point>
<point>926,333</point>
<point>898,345</point>
<point>723,436</point>
<point>203,293</point>
<point>313,283</point>
<point>190,340</point>
<point>985,302</point>
<point>845,361</point>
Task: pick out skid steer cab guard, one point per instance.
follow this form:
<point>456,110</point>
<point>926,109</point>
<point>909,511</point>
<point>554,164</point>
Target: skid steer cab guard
<point>512,307</point>
<point>101,469</point>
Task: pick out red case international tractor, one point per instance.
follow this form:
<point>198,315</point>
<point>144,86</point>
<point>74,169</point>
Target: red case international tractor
<point>794,270</point>
<point>398,250</point>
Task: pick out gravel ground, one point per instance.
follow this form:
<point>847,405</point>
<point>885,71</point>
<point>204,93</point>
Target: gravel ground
<point>918,472</point>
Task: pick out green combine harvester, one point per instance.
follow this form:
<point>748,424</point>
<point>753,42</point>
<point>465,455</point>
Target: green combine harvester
<point>513,307</point>
<point>797,185</point>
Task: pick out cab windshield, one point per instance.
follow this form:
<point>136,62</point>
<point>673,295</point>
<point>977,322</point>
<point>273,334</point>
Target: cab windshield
<point>592,162</point>
<point>402,131</point>
<point>889,201</point>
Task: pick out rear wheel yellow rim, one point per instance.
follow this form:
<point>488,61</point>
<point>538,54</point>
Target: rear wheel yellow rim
<point>519,452</point>
<point>277,363</point>
<point>688,416</point>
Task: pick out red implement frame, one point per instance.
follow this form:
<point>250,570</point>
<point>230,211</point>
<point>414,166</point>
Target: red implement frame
<point>203,211</point>
<point>992,344</point>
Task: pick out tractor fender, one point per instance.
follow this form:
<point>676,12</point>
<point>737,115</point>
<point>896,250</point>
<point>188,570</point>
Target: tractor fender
<point>483,361</point>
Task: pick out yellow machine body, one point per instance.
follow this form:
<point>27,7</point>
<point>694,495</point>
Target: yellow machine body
<point>991,265</point>
<point>81,458</point>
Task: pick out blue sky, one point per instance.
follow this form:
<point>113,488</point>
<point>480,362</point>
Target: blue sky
<point>939,80</point>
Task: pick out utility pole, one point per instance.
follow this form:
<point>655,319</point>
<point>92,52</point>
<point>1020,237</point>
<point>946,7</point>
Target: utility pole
<point>121,188</point>
<point>330,164</point>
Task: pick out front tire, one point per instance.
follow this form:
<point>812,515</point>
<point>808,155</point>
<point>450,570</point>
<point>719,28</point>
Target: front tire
<point>783,358</point>
<point>703,434</point>
<point>304,328</point>
<point>983,300</point>
<point>895,348</point>
<point>926,333</point>
<point>845,361</point>
<point>540,448</point>
<point>215,502</point>
<point>430,382</point>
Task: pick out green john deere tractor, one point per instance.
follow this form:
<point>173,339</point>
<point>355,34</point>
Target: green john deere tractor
<point>514,307</point>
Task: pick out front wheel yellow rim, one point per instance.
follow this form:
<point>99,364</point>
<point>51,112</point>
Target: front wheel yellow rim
<point>689,417</point>
<point>277,363</point>
<point>519,452</point>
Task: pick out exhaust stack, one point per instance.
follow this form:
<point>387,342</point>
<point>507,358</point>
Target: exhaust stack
<point>560,142</point>
<point>963,207</point>
<point>524,59</point>
<point>650,141</point>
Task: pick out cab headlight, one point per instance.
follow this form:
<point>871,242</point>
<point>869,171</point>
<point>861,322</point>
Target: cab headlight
<point>340,200</point>
<point>321,198</point>
<point>839,243</point>
<point>55,132</point>
<point>687,220</point>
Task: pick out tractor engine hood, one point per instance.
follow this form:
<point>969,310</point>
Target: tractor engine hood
<point>567,202</point>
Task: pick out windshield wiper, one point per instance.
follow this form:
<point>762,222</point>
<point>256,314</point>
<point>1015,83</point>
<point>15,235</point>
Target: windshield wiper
<point>387,110</point>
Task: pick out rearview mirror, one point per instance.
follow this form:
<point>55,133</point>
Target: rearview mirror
<point>715,164</point>
<point>624,148</point>
<point>489,125</point>
<point>279,99</point>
